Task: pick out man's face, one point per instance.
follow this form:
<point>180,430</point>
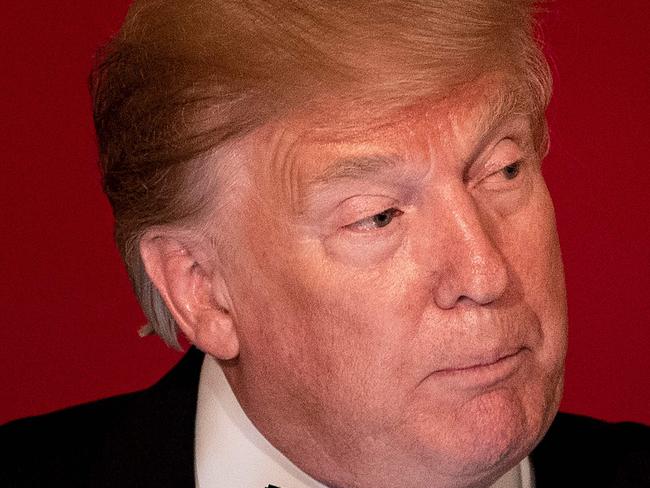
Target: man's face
<point>398,294</point>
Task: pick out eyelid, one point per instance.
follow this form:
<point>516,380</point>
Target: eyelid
<point>519,162</point>
<point>498,182</point>
<point>357,206</point>
<point>507,151</point>
<point>355,226</point>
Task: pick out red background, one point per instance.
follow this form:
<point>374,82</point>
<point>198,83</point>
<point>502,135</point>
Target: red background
<point>69,319</point>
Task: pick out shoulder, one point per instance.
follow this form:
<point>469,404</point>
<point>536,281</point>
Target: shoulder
<point>104,443</point>
<point>583,451</point>
<point>58,447</point>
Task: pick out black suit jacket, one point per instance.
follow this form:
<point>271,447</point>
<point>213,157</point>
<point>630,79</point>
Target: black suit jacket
<point>146,440</point>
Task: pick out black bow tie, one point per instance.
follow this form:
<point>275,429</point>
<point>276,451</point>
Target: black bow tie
<point>272,486</point>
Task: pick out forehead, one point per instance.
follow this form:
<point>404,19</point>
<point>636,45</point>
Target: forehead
<point>305,149</point>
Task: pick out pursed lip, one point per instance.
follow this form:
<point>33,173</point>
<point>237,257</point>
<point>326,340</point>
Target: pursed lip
<point>483,369</point>
<point>480,360</point>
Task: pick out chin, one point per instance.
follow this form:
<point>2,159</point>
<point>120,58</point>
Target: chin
<point>488,434</point>
<point>494,432</point>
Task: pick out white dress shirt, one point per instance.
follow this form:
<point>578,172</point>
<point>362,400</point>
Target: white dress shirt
<point>231,453</point>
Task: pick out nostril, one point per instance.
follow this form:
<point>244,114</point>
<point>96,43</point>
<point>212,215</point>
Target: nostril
<point>472,268</point>
<point>478,281</point>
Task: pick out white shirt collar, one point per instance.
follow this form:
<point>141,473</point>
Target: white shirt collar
<point>230,451</point>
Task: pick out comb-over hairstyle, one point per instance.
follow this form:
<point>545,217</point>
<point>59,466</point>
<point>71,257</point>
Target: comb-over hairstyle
<point>182,78</point>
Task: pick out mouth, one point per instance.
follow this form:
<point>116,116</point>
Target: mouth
<point>485,371</point>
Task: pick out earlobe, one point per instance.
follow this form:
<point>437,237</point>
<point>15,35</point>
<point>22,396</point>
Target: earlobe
<point>192,292</point>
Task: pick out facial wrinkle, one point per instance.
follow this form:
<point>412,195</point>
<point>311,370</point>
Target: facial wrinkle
<point>280,178</point>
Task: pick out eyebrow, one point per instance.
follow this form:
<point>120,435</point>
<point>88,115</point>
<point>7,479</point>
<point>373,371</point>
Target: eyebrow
<point>504,107</point>
<point>354,168</point>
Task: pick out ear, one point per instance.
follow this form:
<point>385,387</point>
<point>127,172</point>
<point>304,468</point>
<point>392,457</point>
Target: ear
<point>193,291</point>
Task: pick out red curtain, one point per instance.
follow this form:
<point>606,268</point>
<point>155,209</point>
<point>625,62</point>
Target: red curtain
<point>69,319</point>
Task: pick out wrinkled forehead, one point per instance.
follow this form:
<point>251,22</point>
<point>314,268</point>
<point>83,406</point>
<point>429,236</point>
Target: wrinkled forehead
<point>297,149</point>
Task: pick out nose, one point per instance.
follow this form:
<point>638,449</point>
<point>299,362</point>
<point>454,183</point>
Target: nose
<point>472,267</point>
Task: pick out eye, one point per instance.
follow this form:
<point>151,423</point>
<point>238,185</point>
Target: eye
<point>377,221</point>
<point>511,171</point>
<point>507,177</point>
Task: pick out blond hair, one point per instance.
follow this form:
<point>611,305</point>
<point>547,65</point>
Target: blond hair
<point>184,77</point>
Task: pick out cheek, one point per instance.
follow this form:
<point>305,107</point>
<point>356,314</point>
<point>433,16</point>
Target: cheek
<point>352,333</point>
<point>536,265</point>
<point>303,319</point>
